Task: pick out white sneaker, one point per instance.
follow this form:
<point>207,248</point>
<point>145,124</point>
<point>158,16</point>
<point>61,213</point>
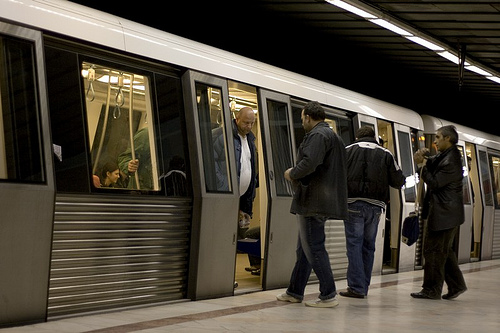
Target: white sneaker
<point>327,303</point>
<point>288,298</point>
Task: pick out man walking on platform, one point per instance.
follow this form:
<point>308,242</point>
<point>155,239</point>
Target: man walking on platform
<point>320,192</point>
<point>371,169</point>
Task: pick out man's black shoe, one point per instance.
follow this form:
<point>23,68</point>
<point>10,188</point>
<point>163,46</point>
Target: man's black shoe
<point>424,295</point>
<point>350,293</point>
<point>455,294</point>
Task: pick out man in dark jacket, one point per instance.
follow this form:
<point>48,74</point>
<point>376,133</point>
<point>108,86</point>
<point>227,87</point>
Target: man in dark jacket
<point>371,169</point>
<point>444,209</point>
<point>320,191</point>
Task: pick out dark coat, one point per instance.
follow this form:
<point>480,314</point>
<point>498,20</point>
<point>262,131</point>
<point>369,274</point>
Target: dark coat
<point>443,205</point>
<point>371,170</point>
<point>320,176</point>
<point>247,198</point>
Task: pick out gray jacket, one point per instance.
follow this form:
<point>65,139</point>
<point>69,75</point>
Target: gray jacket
<point>320,176</point>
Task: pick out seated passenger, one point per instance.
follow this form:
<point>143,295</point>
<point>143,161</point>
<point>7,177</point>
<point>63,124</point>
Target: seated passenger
<point>110,175</point>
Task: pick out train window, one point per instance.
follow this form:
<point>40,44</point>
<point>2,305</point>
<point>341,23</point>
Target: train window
<point>340,124</point>
<point>495,171</point>
<point>21,157</point>
<point>407,165</point>
<point>485,177</point>
<point>465,180</point>
<point>120,128</point>
<point>213,138</point>
<point>281,143</point>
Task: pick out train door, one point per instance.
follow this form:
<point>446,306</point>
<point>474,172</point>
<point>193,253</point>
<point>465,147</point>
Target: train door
<point>26,178</point>
<point>494,159</point>
<point>281,229</point>
<point>476,201</point>
<point>215,197</point>
<point>465,231</point>
<point>407,195</point>
<point>487,202</point>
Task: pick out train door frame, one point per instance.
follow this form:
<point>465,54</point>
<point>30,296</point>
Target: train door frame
<point>487,202</point>
<point>214,231</point>
<point>28,207</point>
<point>281,230</point>
<point>406,253</point>
<point>465,231</point>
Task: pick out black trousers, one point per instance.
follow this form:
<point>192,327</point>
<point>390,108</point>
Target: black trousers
<point>441,263</point>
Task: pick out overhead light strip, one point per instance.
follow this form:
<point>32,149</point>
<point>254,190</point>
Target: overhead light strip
<point>376,17</point>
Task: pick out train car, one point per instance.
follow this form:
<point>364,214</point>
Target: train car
<point>83,93</point>
<point>479,236</point>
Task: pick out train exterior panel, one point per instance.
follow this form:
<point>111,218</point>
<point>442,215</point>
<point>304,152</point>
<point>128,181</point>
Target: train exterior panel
<point>110,91</point>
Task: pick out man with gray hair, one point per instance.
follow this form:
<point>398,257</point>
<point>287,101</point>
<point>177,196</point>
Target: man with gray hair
<point>444,209</point>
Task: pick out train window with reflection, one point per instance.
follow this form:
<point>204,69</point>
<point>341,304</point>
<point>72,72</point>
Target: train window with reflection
<point>21,157</point>
<point>120,128</point>
<point>339,123</point>
<point>407,165</point>
<point>213,138</point>
<point>495,171</point>
<point>465,179</point>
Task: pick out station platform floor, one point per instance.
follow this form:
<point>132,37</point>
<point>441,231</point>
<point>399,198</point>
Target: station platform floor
<point>388,308</point>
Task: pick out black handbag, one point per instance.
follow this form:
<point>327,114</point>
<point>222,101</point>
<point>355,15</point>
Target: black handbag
<point>411,229</point>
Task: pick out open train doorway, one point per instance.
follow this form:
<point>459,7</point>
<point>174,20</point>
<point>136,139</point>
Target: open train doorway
<point>391,218</point>
<point>250,248</point>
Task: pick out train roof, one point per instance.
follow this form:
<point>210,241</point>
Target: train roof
<point>80,22</point>
<point>432,124</point>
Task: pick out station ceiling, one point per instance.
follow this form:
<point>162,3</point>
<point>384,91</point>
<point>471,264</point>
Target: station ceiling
<point>317,39</point>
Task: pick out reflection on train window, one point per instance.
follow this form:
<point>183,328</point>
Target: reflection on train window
<point>340,124</point>
<point>485,177</point>
<point>213,138</point>
<point>120,128</point>
<point>465,180</point>
<point>21,156</point>
<point>282,147</point>
<point>407,165</point>
<point>495,170</point>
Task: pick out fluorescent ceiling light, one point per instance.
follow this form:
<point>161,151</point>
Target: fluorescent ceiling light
<point>494,78</point>
<point>451,57</point>
<point>478,70</point>
<point>394,28</point>
<point>425,43</point>
<point>352,9</point>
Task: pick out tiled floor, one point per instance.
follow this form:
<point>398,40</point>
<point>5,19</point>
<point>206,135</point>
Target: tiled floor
<point>389,308</point>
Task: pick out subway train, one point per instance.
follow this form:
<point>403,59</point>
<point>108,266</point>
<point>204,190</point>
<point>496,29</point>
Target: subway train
<point>83,93</point>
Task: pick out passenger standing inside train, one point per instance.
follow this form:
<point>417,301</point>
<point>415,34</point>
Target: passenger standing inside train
<point>444,209</point>
<point>245,154</point>
<point>244,146</point>
<point>320,192</point>
<point>371,169</point>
